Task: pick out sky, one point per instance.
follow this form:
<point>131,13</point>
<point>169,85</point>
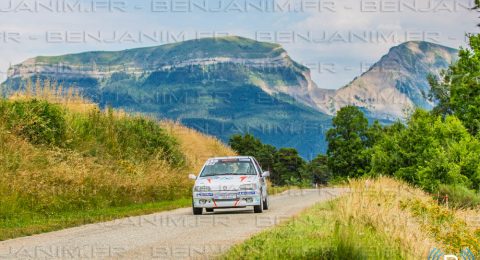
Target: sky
<point>337,40</point>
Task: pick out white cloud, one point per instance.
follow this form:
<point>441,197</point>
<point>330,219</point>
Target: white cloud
<point>439,21</point>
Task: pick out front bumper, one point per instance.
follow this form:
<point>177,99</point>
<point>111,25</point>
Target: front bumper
<point>226,199</point>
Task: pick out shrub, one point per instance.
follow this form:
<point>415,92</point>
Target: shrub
<point>460,196</point>
<point>37,121</point>
<point>429,152</point>
<point>125,138</point>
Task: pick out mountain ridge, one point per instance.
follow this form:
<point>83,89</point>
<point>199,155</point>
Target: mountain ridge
<point>228,85</point>
<point>398,81</point>
<point>206,86</point>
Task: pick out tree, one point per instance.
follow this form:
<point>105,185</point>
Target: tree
<point>266,157</point>
<point>430,151</point>
<point>245,145</point>
<point>477,7</point>
<point>289,168</point>
<point>374,134</point>
<point>248,145</point>
<point>347,143</point>
<point>458,90</point>
<point>318,170</point>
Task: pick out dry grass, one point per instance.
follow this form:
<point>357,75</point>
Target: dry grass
<point>196,146</point>
<point>43,181</point>
<point>408,215</point>
<point>378,219</point>
<point>377,203</point>
<point>471,217</point>
<point>55,93</point>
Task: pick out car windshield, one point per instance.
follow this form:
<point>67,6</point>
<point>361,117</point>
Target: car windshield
<point>228,167</point>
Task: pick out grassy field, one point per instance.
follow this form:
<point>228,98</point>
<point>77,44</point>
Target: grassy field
<point>64,163</point>
<point>379,219</point>
<point>35,224</point>
<point>319,233</point>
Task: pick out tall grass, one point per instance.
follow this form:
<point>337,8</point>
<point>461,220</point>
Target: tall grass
<point>377,219</point>
<point>59,154</point>
<point>458,196</point>
<point>411,216</point>
<point>321,232</point>
<point>92,161</point>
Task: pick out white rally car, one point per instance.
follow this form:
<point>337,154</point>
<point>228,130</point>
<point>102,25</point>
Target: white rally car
<point>230,182</point>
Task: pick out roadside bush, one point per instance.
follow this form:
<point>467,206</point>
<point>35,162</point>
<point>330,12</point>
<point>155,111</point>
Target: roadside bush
<point>126,138</point>
<point>429,152</point>
<point>70,160</point>
<point>37,121</point>
<point>460,196</point>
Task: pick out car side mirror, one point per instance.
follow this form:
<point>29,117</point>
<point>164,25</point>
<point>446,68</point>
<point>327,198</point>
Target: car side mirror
<point>266,174</point>
<point>192,176</point>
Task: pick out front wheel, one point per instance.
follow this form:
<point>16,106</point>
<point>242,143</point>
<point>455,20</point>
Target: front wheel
<point>265,203</point>
<point>196,211</point>
<point>258,208</point>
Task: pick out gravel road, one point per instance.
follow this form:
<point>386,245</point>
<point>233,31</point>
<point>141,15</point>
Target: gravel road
<point>176,234</point>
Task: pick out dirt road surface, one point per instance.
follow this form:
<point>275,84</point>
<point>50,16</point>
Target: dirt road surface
<point>176,234</point>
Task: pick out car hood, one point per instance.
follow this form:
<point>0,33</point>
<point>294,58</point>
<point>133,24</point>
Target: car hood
<point>226,182</point>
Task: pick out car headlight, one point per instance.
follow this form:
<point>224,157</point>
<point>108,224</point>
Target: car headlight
<point>251,186</point>
<point>202,188</point>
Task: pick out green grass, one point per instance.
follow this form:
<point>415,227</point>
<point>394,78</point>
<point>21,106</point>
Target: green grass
<point>459,196</point>
<point>273,190</point>
<point>319,233</point>
<point>64,162</point>
<point>53,160</point>
<point>30,224</point>
<point>60,168</point>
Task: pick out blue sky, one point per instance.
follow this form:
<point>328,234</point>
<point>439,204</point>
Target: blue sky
<point>328,36</point>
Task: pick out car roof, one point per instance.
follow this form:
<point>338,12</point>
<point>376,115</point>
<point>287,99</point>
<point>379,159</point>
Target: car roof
<point>232,157</point>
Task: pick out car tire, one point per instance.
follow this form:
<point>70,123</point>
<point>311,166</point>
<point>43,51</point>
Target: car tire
<point>258,208</point>
<point>209,210</point>
<point>265,203</point>
<point>196,211</point>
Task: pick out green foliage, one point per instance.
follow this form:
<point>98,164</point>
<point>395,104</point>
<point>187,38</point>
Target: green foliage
<point>348,142</point>
<point>458,91</point>
<point>459,196</point>
<point>96,133</point>
<point>289,168</point>
<point>318,169</point>
<point>127,138</point>
<point>285,165</point>
<point>438,150</point>
<point>69,161</point>
<point>248,145</point>
<point>429,152</point>
<point>37,121</point>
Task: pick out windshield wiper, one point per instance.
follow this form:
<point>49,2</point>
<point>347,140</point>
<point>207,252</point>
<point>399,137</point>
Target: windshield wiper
<point>219,174</point>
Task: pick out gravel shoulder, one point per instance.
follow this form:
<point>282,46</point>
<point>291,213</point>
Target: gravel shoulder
<point>176,234</point>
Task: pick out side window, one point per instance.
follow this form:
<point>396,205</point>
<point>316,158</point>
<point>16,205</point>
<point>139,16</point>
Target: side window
<point>260,171</point>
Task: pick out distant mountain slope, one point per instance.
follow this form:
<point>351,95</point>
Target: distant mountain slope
<point>229,85</point>
<point>395,83</point>
<point>219,86</point>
